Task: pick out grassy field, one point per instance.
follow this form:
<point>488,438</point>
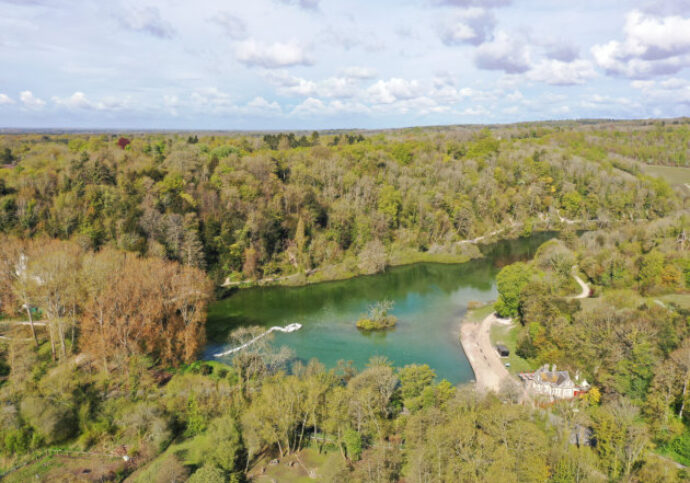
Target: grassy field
<point>69,468</point>
<point>507,335</point>
<point>479,314</point>
<point>682,300</point>
<point>304,466</point>
<point>674,176</point>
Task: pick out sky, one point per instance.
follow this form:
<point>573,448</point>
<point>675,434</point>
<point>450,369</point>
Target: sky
<point>324,64</point>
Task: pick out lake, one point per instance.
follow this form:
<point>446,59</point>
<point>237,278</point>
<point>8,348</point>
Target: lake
<point>429,300</point>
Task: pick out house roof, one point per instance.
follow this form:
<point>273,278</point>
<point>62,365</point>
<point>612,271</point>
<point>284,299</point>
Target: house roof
<point>553,378</point>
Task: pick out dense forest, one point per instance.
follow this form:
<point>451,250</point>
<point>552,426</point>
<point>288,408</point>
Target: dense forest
<point>113,245</point>
<point>326,206</point>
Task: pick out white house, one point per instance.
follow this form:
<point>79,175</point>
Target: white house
<point>552,383</point>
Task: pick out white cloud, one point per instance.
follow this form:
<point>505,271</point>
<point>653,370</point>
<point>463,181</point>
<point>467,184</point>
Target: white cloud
<point>562,52</point>
<point>556,72</point>
<point>211,97</point>
<point>472,26</point>
<point>356,72</point>
<point>305,4</point>
<point>387,92</point>
<point>5,99</point>
<point>672,91</point>
<point>351,37</point>
<point>289,85</point>
<point>509,54</point>
<point>668,7</point>
<point>30,101</point>
<point>171,103</point>
<point>473,3</point>
<point>316,107</point>
<point>652,46</point>
<point>598,101</point>
<point>259,104</point>
<point>272,56</point>
<point>78,100</point>
<point>475,111</point>
<point>233,26</point>
<point>310,106</point>
<point>147,20</point>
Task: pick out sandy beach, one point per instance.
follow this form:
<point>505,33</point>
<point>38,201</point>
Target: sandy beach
<point>489,371</point>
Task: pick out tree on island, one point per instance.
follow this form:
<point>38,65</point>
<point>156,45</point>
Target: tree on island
<point>378,318</point>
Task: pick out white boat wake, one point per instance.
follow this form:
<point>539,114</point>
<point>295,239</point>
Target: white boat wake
<point>288,328</point>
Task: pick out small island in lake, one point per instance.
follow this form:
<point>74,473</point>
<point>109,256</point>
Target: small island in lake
<point>378,317</point>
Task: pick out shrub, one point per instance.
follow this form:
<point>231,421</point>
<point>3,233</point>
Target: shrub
<point>378,317</point>
<point>208,474</point>
<point>53,421</point>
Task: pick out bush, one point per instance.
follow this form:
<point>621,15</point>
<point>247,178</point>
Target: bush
<point>681,446</point>
<point>378,317</point>
<point>208,474</point>
<point>53,421</point>
<point>381,324</point>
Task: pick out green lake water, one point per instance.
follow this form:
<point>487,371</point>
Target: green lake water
<point>429,300</point>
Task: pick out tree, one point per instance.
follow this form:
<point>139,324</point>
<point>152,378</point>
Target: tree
<point>98,272</point>
<point>651,268</point>
<point>390,203</point>
<point>56,288</point>
<point>54,421</point>
<point>226,448</point>
<point>373,258</point>
<point>15,281</point>
<point>123,142</point>
<point>511,280</point>
<point>414,379</point>
<point>353,444</point>
<point>6,156</point>
<point>208,474</point>
<point>681,358</point>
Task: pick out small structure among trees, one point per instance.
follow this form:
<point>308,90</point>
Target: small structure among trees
<point>553,384</point>
<point>502,350</point>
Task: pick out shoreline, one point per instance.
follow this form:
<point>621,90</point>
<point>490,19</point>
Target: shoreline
<point>490,373</point>
<point>419,257</point>
<point>271,281</point>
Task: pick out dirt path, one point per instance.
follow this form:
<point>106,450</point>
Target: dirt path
<point>489,371</point>
<point>585,288</point>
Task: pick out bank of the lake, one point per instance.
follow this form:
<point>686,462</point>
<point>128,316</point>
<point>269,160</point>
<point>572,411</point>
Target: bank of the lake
<point>429,301</point>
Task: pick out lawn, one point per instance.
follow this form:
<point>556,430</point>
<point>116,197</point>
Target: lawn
<point>507,335</point>
<point>673,175</point>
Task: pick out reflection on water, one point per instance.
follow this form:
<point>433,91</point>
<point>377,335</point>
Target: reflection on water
<point>429,301</point>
